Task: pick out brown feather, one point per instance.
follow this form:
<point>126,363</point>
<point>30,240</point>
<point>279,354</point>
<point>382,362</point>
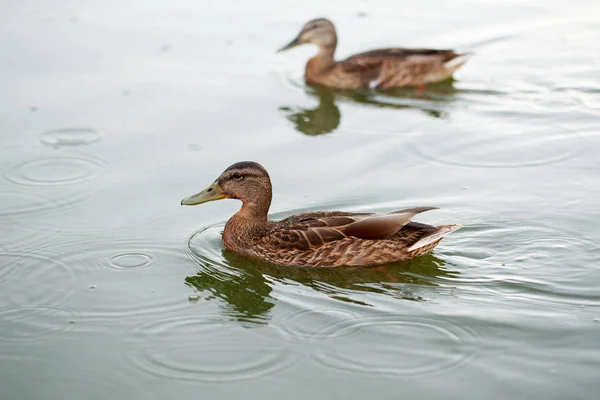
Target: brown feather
<point>378,69</point>
<point>329,241</point>
<point>321,238</point>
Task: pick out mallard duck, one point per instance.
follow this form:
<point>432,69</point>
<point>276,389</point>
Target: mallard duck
<point>376,69</point>
<point>319,238</point>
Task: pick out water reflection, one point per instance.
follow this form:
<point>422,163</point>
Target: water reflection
<point>246,285</point>
<point>326,116</point>
<point>246,293</point>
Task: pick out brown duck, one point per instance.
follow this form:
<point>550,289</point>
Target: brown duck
<point>377,69</point>
<point>320,238</point>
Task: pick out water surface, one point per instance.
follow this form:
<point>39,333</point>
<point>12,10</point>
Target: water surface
<point>112,113</point>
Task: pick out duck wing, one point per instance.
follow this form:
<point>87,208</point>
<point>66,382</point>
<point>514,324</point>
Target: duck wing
<point>310,215</point>
<point>387,68</point>
<point>312,230</point>
<point>402,53</point>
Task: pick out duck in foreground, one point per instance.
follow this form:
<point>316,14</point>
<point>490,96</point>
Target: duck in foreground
<point>377,69</point>
<point>319,238</point>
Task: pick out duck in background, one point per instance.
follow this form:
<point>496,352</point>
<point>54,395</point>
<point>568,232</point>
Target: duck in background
<point>376,69</point>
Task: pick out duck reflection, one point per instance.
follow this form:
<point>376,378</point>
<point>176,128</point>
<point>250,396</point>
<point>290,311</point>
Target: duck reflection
<point>245,286</point>
<point>326,116</point>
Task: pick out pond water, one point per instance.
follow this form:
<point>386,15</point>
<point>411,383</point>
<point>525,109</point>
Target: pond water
<point>113,112</point>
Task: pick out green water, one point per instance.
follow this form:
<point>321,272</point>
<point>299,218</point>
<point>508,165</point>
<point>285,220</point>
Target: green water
<point>112,112</point>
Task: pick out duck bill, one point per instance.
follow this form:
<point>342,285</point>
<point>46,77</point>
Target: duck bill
<point>211,193</point>
<point>291,44</point>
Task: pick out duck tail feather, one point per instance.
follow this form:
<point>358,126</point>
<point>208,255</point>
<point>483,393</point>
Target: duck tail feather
<point>435,236</point>
<point>457,61</point>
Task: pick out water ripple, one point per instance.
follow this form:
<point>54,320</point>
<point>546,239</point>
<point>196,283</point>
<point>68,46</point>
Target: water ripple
<point>511,145</point>
<point>128,307</point>
<point>52,171</point>
<point>532,272</point>
<point>131,260</point>
<point>417,341</point>
<point>70,137</point>
<point>24,212</point>
<point>123,254</point>
<point>31,322</point>
<point>45,187</point>
<point>202,348</point>
<point>205,244</point>
<point>29,278</point>
<point>145,262</point>
<point>316,323</point>
<point>98,216</point>
<point>22,202</point>
<point>245,291</point>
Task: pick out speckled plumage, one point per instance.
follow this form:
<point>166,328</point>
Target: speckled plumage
<point>376,69</point>
<point>321,238</point>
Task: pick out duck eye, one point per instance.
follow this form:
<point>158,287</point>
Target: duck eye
<point>237,176</point>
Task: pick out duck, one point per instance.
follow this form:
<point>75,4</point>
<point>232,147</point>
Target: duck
<point>380,69</point>
<point>315,238</point>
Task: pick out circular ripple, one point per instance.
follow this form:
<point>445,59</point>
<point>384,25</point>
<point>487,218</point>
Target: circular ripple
<point>503,144</point>
<point>54,171</point>
<point>27,278</point>
<point>198,348</point>
<point>397,345</point>
<point>99,215</point>
<point>124,255</point>
<point>35,321</point>
<point>23,211</point>
<point>153,296</point>
<point>316,323</point>
<point>70,137</point>
<point>120,308</point>
<point>206,245</point>
<point>534,271</point>
<point>130,261</point>
<point>22,202</point>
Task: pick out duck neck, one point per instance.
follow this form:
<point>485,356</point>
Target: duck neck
<point>323,60</point>
<point>246,226</point>
<point>254,210</point>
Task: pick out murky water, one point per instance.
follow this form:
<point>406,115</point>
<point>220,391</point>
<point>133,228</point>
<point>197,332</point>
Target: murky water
<point>112,112</point>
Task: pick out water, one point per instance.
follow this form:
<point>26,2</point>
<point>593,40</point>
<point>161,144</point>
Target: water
<point>112,113</point>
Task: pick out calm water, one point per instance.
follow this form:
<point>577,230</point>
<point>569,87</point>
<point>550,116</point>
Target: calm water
<point>113,112</point>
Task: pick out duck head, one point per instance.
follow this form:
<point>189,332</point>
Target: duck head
<point>320,32</point>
